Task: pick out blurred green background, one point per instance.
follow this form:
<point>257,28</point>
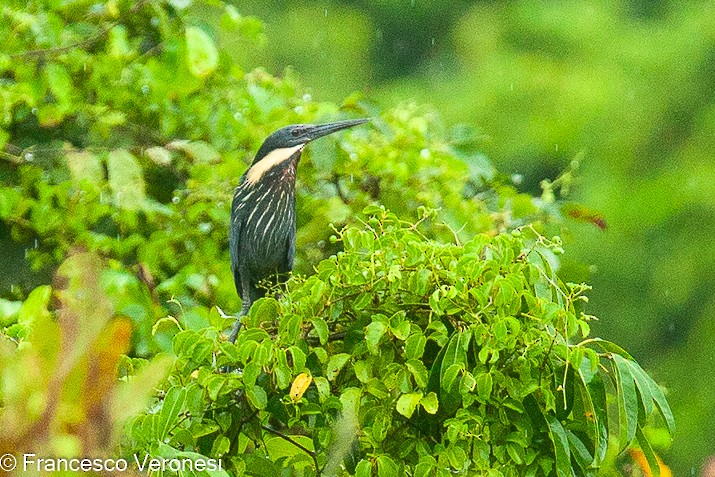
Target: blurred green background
<point>627,85</point>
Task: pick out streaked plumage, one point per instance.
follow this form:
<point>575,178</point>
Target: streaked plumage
<point>263,220</point>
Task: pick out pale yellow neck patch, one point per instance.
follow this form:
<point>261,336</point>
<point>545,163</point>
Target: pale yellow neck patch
<point>272,159</point>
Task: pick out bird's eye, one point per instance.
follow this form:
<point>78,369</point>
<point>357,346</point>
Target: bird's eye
<point>295,132</point>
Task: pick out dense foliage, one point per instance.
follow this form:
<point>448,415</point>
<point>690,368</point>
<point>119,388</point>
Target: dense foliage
<point>125,127</point>
<point>427,359</point>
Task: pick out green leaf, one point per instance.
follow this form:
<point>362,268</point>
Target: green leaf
<point>35,305</point>
<point>467,383</point>
<point>457,457</point>
<point>278,448</point>
<point>321,329</point>
<point>335,364</point>
<point>425,469</point>
<point>418,371</point>
<point>415,346</point>
<point>407,403</point>
<point>199,152</point>
<point>579,451</point>
<point>380,426</point>
<point>430,403</point>
<point>455,355</point>
<point>449,377</point>
<point>220,446</point>
<point>516,452</point>
<point>363,371</point>
<point>484,386</point>
<point>558,436</point>
<point>590,417</point>
<point>402,331</point>
<point>170,409</point>
<point>126,179</point>
<point>612,348</point>
<point>648,453</point>
<point>323,387</point>
<point>317,291</point>
<point>386,467</point>
<point>85,166</point>
<point>363,469</point>
<point>59,81</point>
<point>259,466</point>
<point>627,398</point>
<point>298,359</point>
<point>283,376</point>
<point>649,389</point>
<point>257,397</point>
<point>373,334</point>
<point>201,52</point>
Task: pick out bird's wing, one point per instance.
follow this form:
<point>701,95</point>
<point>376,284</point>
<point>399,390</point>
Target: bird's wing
<point>290,250</point>
<point>234,242</point>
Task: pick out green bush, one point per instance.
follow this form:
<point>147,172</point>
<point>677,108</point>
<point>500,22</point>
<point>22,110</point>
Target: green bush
<point>426,358</point>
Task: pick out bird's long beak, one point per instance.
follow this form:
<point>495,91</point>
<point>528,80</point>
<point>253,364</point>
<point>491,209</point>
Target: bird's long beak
<point>320,130</point>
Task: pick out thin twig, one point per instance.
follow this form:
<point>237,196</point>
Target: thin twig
<point>314,340</point>
<point>80,44</point>
<point>311,453</point>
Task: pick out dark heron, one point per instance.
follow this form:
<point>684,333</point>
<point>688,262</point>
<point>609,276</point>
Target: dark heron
<point>262,236</point>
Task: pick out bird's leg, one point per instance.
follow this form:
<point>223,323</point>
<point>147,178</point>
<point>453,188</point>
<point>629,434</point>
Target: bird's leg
<point>238,324</point>
<point>234,331</point>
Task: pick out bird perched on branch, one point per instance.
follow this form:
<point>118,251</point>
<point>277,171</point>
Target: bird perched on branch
<point>262,231</point>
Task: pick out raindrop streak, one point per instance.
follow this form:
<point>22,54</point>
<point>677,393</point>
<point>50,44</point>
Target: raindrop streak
<point>511,87</point>
<point>36,243</point>
<point>326,12</point>
<point>556,147</point>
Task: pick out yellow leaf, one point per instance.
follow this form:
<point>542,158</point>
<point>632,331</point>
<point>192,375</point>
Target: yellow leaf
<point>642,462</point>
<point>300,384</point>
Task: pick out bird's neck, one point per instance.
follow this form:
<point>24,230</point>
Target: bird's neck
<point>278,160</point>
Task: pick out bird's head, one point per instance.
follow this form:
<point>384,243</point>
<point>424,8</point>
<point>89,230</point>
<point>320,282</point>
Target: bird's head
<point>302,134</point>
<point>287,141</point>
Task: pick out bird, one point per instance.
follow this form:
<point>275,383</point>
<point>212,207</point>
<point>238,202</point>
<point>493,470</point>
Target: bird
<point>263,219</point>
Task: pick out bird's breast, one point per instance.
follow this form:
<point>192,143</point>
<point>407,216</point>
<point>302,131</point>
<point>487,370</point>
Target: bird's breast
<point>267,221</point>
